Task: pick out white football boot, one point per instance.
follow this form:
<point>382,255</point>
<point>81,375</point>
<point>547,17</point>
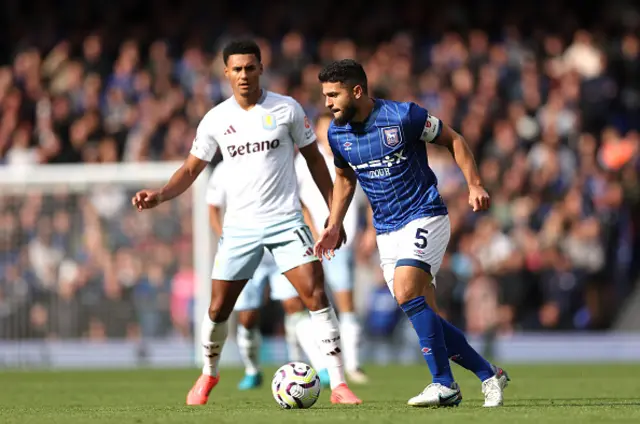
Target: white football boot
<point>436,394</point>
<point>493,388</point>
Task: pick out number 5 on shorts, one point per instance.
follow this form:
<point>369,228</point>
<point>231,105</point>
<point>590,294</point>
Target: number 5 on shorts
<point>421,237</point>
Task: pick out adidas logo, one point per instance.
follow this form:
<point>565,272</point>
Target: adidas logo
<point>334,352</point>
<point>309,252</point>
<point>230,130</point>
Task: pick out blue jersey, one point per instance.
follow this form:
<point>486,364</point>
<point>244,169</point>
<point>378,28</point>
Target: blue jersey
<point>389,155</point>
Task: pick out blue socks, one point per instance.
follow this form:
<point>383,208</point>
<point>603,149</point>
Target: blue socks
<point>429,328</point>
<point>461,352</point>
<point>441,341</point>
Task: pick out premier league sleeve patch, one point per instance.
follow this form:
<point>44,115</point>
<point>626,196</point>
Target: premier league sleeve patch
<point>391,136</point>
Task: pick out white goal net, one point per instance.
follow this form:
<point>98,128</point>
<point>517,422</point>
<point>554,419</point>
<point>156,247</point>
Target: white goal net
<point>87,280</point>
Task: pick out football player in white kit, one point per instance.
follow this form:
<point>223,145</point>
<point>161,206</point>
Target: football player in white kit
<point>256,131</point>
<point>297,324</point>
<point>339,272</point>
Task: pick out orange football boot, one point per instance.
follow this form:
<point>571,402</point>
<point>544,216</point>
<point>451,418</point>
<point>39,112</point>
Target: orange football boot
<point>343,395</point>
<point>199,393</point>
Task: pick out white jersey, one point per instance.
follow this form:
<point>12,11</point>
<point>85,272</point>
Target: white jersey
<point>216,195</point>
<point>257,146</point>
<point>312,198</point>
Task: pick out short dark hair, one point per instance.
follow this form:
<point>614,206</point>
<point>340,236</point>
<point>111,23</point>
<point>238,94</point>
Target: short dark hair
<point>241,47</point>
<point>345,71</point>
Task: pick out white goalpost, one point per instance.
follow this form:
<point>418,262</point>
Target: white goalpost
<point>66,227</point>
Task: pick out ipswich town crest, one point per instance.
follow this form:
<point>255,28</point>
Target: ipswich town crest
<point>391,136</point>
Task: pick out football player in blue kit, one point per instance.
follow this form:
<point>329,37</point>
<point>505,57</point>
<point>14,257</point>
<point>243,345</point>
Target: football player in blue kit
<point>382,144</point>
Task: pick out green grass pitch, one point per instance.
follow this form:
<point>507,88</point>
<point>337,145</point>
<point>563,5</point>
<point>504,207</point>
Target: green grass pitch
<point>537,394</point>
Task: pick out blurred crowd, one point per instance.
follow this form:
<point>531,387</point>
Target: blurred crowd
<point>546,93</point>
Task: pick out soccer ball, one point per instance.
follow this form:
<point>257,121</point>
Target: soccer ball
<point>295,385</point>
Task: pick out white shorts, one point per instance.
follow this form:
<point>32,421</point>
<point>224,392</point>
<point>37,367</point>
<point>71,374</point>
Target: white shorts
<point>252,296</point>
<point>421,243</point>
<point>240,250</point>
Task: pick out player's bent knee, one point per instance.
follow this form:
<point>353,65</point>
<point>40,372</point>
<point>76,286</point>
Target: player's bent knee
<point>219,310</point>
<point>410,282</point>
<point>216,315</point>
<point>405,294</point>
<point>224,295</point>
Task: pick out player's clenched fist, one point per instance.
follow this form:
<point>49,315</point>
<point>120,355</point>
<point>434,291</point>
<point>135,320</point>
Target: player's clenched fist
<point>479,198</point>
<point>146,199</point>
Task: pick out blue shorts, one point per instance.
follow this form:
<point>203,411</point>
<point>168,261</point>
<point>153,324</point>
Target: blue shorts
<point>338,272</point>
<point>240,250</point>
<point>252,296</point>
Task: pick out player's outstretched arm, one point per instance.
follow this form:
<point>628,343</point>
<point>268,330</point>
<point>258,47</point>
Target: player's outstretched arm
<point>319,171</point>
<point>343,190</point>
<point>461,152</point>
<point>179,182</point>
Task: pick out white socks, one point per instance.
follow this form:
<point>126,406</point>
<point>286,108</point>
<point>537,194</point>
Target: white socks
<point>327,335</point>
<point>350,333</point>
<point>249,341</point>
<point>318,334</point>
<point>299,332</point>
<point>213,335</point>
<point>291,321</point>
<point>308,340</point>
